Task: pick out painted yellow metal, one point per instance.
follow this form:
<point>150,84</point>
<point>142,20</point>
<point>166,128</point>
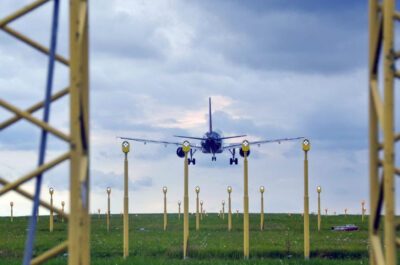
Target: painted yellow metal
<point>179,210</point>
<point>319,207</point>
<point>108,208</point>
<point>201,210</point>
<point>382,128</point>
<point>362,210</point>
<point>62,211</point>
<point>79,226</point>
<point>186,149</point>
<point>246,245</point>
<point>34,173</point>
<point>51,224</point>
<point>55,251</point>
<point>125,150</point>
<point>306,148</point>
<point>197,189</point>
<point>11,215</point>
<point>165,208</point>
<point>262,189</point>
<point>229,189</point>
<point>223,210</point>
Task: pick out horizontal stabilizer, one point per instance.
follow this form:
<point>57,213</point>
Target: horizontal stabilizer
<point>189,137</point>
<point>235,136</point>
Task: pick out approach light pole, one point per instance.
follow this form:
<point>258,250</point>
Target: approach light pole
<point>179,210</point>
<point>186,150</point>
<point>362,210</point>
<point>11,216</point>
<point>229,189</point>
<point>319,207</point>
<point>345,212</point>
<point>306,148</point>
<point>164,189</point>
<point>125,150</point>
<point>51,191</point>
<point>223,209</point>
<point>262,189</point>
<point>98,213</point>
<point>326,211</point>
<point>62,211</point>
<point>108,208</point>
<point>246,151</point>
<point>197,189</point>
<point>237,213</point>
<point>201,210</point>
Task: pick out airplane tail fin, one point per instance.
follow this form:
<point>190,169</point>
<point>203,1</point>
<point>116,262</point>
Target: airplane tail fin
<point>209,113</point>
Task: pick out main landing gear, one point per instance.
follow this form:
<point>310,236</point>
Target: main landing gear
<point>192,160</point>
<point>233,159</point>
<point>213,158</point>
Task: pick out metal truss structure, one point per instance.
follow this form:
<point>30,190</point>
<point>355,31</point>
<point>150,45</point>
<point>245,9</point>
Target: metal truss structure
<point>77,243</point>
<point>382,135</point>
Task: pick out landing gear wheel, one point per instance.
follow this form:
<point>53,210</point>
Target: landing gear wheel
<point>236,161</point>
<point>194,161</point>
<point>230,161</point>
<point>189,161</point>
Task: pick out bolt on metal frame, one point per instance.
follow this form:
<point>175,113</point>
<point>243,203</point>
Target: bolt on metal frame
<point>382,136</point>
<point>78,139</point>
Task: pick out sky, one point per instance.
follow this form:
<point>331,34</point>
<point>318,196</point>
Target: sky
<point>273,69</point>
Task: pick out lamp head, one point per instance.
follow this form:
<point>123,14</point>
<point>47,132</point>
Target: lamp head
<point>223,202</point>
<point>186,146</point>
<point>229,189</point>
<point>262,189</point>
<point>245,146</point>
<point>11,204</point>
<point>319,189</point>
<point>98,210</point>
<point>306,145</point>
<point>197,189</point>
<point>363,202</point>
<point>62,203</point>
<point>108,190</point>
<point>164,189</point>
<point>125,147</point>
<point>201,202</point>
<point>51,190</point>
<point>179,202</point>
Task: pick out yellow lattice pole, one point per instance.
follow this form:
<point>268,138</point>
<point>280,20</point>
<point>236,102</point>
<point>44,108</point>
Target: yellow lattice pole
<point>382,136</point>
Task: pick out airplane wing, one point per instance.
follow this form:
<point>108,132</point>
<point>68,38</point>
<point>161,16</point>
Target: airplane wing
<point>236,145</point>
<point>145,141</point>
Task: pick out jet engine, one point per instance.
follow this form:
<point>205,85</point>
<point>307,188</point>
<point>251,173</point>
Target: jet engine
<point>180,153</point>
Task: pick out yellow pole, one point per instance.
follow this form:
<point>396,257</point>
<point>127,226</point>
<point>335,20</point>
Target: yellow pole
<point>319,208</point>
<point>11,217</point>
<point>165,207</point>
<point>179,210</point>
<point>108,208</point>
<point>223,210</point>
<point>125,150</point>
<point>262,189</point>
<point>201,210</point>
<point>246,250</point>
<point>197,208</point>
<point>362,210</point>
<point>51,191</point>
<point>306,148</point>
<point>229,209</point>
<point>186,149</point>
<point>62,211</point>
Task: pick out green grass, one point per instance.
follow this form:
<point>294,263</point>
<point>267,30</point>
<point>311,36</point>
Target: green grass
<point>280,243</point>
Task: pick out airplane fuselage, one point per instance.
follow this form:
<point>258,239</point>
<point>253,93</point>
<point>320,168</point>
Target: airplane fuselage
<point>211,143</point>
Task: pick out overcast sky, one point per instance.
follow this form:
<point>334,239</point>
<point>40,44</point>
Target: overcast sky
<point>273,69</point>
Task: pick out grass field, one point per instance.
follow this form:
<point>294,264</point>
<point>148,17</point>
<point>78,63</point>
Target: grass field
<point>280,243</point>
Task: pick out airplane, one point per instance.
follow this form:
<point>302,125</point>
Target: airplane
<point>211,143</point>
